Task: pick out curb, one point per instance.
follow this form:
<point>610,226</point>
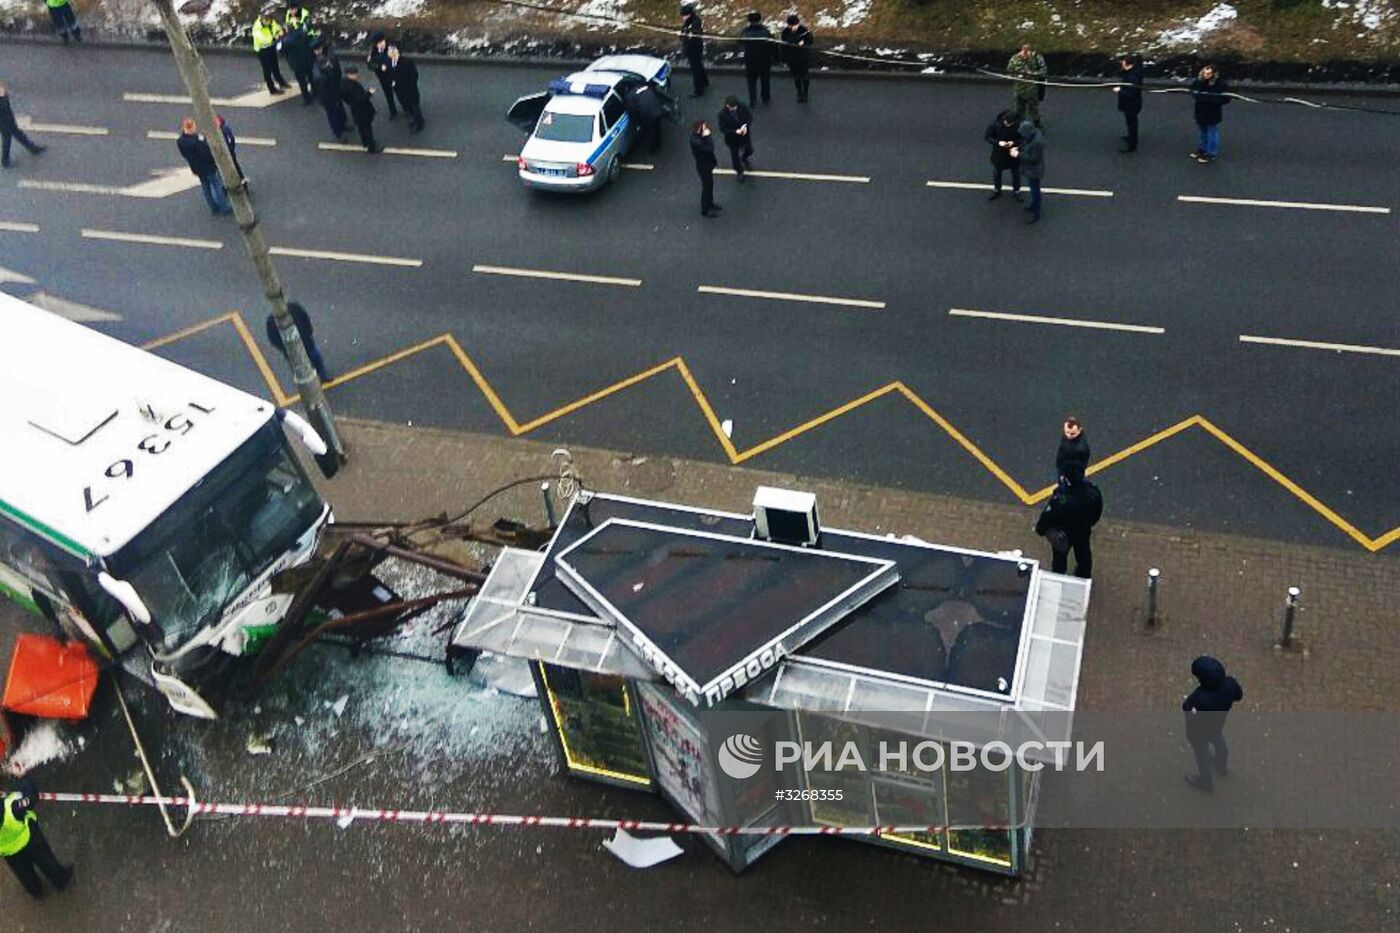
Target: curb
<point>874,73</point>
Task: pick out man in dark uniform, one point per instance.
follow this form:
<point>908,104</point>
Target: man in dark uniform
<point>702,147</point>
<point>1069,519</point>
<point>357,98</point>
<point>9,130</point>
<point>23,845</point>
<point>1129,94</point>
<point>693,47</point>
<point>296,49</point>
<point>404,74</point>
<point>232,142</point>
<point>1003,133</point>
<point>734,121</point>
<point>379,60</point>
<point>644,105</point>
<point>326,77</point>
<point>302,322</point>
<point>1205,709</point>
<point>797,45</point>
<point>758,46</point>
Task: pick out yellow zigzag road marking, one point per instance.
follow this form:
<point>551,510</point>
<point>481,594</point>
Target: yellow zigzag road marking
<point>737,456</point>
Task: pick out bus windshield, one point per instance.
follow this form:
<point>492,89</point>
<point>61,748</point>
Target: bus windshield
<point>212,543</point>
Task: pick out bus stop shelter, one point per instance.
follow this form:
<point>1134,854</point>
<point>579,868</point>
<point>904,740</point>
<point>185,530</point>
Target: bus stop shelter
<point>661,635</point>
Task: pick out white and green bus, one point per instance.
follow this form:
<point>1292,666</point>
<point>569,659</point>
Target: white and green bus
<point>145,508</point>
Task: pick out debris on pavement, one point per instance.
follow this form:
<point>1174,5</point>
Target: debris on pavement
<point>42,744</point>
<point>641,853</point>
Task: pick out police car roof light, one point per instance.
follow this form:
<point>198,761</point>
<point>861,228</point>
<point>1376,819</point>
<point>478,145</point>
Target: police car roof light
<point>578,89</point>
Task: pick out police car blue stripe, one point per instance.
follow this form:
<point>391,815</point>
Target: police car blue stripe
<point>608,139</point>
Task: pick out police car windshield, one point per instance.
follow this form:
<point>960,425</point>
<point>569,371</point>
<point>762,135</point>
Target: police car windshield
<point>565,127</point>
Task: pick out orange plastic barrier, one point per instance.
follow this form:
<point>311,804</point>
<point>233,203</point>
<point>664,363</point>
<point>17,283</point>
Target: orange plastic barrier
<point>50,679</point>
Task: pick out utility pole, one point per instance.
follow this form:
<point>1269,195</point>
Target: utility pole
<point>308,385</point>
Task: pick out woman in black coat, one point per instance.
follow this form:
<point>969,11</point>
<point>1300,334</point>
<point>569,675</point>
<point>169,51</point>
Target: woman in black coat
<point>1003,136</point>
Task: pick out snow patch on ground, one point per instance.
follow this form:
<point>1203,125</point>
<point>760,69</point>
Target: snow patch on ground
<point>853,12</point>
<point>42,744</point>
<point>397,9</point>
<point>1368,14</point>
<point>1219,16</point>
<point>616,9</point>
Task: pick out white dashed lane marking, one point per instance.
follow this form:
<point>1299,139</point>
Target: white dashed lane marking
<point>980,186</point>
<point>558,276</point>
<point>1294,205</point>
<point>791,296</point>
<point>1061,321</point>
<point>366,258</point>
<point>149,239</point>
<point>391,150</point>
<point>1320,345</point>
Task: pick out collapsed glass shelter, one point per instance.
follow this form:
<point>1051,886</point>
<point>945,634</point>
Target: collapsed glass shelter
<point>657,632</point>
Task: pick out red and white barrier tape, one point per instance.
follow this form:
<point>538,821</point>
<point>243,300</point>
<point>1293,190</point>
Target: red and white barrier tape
<point>440,817</point>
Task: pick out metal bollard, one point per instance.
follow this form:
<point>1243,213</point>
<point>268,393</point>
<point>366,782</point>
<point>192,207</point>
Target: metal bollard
<point>548,504</point>
<point>1290,613</point>
<point>1154,579</point>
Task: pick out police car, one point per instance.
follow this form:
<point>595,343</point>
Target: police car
<point>580,129</point>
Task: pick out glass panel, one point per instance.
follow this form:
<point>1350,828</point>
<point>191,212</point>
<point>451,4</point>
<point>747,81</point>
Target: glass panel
<point>855,806</point>
<point>909,803</point>
<point>979,798</point>
<point>596,723</point>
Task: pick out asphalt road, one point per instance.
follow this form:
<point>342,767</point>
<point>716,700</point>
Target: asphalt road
<point>1192,277</point>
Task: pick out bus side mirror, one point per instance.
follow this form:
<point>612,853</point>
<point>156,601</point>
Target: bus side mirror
<point>304,431</point>
<point>125,594</point>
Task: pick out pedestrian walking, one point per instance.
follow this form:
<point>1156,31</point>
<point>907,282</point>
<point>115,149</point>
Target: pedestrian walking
<point>297,40</point>
<point>1129,93</point>
<point>232,142</point>
<point>404,74</point>
<point>797,52</point>
<point>734,122</point>
<point>10,131</point>
<point>1211,94</point>
<point>302,321</point>
<point>1031,152</point>
<point>267,40</point>
<point>378,59</point>
<point>65,20</point>
<point>325,78</point>
<point>24,846</point>
<point>693,48</point>
<point>1074,447</point>
<point>1003,134</point>
<point>357,98</point>
<point>702,147</point>
<point>1068,521</point>
<point>758,45</point>
<point>1028,66</point>
<point>645,107</point>
<point>1206,708</point>
<point>200,158</point>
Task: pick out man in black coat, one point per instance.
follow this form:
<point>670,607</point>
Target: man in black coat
<point>1205,709</point>
<point>9,130</point>
<point>1003,135</point>
<point>758,45</point>
<point>693,47</point>
<point>644,106</point>
<point>1129,93</point>
<point>1068,520</point>
<point>702,147</point>
<point>379,60</point>
<point>404,74</point>
<point>734,123</point>
<point>326,78</point>
<point>200,158</point>
<point>296,49</point>
<point>302,321</point>
<point>232,142</point>
<point>1210,94</point>
<point>1074,446</point>
<point>797,45</point>
<point>357,98</point>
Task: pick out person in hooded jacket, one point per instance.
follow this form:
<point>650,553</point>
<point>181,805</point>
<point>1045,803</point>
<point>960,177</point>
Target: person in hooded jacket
<point>1068,521</point>
<point>1031,152</point>
<point>1205,709</point>
<point>1074,446</point>
<point>758,45</point>
<point>1002,135</point>
<point>1129,94</point>
<point>326,77</point>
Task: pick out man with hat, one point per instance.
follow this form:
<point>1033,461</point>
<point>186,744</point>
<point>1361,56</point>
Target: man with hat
<point>797,45</point>
<point>758,45</point>
<point>693,47</point>
<point>23,845</point>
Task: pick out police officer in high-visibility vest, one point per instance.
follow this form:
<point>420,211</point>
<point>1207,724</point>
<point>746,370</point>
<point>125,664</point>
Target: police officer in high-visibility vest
<point>267,35</point>
<point>24,847</point>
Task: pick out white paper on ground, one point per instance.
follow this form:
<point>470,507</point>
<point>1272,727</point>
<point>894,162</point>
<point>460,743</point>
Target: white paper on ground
<point>642,853</point>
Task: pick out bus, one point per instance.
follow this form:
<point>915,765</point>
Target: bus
<point>146,509</point>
